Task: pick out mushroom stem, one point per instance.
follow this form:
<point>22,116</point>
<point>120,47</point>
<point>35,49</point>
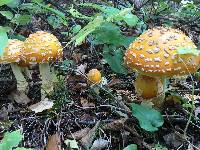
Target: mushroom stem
<point>27,72</point>
<point>21,81</point>
<point>48,79</point>
<point>151,88</point>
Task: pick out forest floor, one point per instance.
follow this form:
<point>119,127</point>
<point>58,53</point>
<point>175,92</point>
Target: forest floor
<point>90,113</point>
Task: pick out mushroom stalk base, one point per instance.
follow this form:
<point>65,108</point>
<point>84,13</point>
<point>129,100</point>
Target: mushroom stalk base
<point>151,89</point>
<point>48,79</point>
<point>21,81</point>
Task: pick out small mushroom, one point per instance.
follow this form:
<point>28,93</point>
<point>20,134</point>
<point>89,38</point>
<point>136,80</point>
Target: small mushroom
<point>94,76</point>
<point>12,54</point>
<point>41,48</point>
<point>155,57</point>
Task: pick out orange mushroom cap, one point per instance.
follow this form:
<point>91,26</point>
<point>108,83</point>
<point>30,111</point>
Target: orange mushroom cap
<point>94,76</point>
<point>41,47</point>
<point>12,52</point>
<point>154,53</point>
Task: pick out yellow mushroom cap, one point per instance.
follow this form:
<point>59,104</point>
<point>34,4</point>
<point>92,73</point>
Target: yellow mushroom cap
<point>41,47</point>
<point>94,76</point>
<point>154,53</point>
<point>12,52</point>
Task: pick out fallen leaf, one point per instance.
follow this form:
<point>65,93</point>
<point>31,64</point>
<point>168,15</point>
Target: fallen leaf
<point>114,81</point>
<point>190,97</point>
<point>173,139</point>
<point>79,134</point>
<point>87,140</point>
<point>115,125</point>
<point>86,103</point>
<point>41,106</point>
<point>80,70</point>
<point>54,142</point>
<point>99,144</point>
<point>77,57</point>
<point>72,143</point>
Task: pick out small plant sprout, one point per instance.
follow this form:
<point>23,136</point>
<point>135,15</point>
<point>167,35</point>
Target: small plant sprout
<point>12,54</point>
<point>94,76</point>
<point>155,56</point>
<point>41,48</point>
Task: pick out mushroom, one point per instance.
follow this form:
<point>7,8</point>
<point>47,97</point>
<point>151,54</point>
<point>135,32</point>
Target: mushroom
<point>94,76</point>
<point>41,48</point>
<point>154,55</point>
<point>12,54</point>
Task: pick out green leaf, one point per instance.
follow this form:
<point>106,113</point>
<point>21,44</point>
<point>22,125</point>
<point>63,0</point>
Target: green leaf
<point>131,19</point>
<point>7,14</point>
<point>95,6</point>
<point>5,29</point>
<point>109,33</point>
<point>183,51</point>
<point>89,28</point>
<point>119,16</point>
<point>131,147</point>
<point>55,11</point>
<point>58,13</point>
<point>37,1</point>
<point>149,118</point>
<point>10,140</point>
<point>75,13</point>
<point>3,41</point>
<point>110,10</point>
<point>18,36</point>
<point>22,148</point>
<point>21,19</point>
<point>160,147</point>
<point>3,2</point>
<point>32,8</point>
<point>76,28</point>
<point>114,58</point>
<point>13,4</point>
<point>54,21</point>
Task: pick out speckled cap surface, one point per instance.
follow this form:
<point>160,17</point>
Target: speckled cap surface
<point>154,53</point>
<point>41,47</point>
<point>12,52</point>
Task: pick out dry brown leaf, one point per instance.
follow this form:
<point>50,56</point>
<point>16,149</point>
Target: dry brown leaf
<point>86,103</point>
<point>54,142</point>
<point>114,82</point>
<point>77,57</point>
<point>173,139</point>
<point>80,70</point>
<point>88,139</point>
<point>79,134</point>
<point>190,97</point>
<point>115,125</point>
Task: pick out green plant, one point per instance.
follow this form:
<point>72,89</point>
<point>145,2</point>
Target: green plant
<point>104,29</point>
<point>11,140</point>
<point>131,147</point>
<point>149,118</point>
